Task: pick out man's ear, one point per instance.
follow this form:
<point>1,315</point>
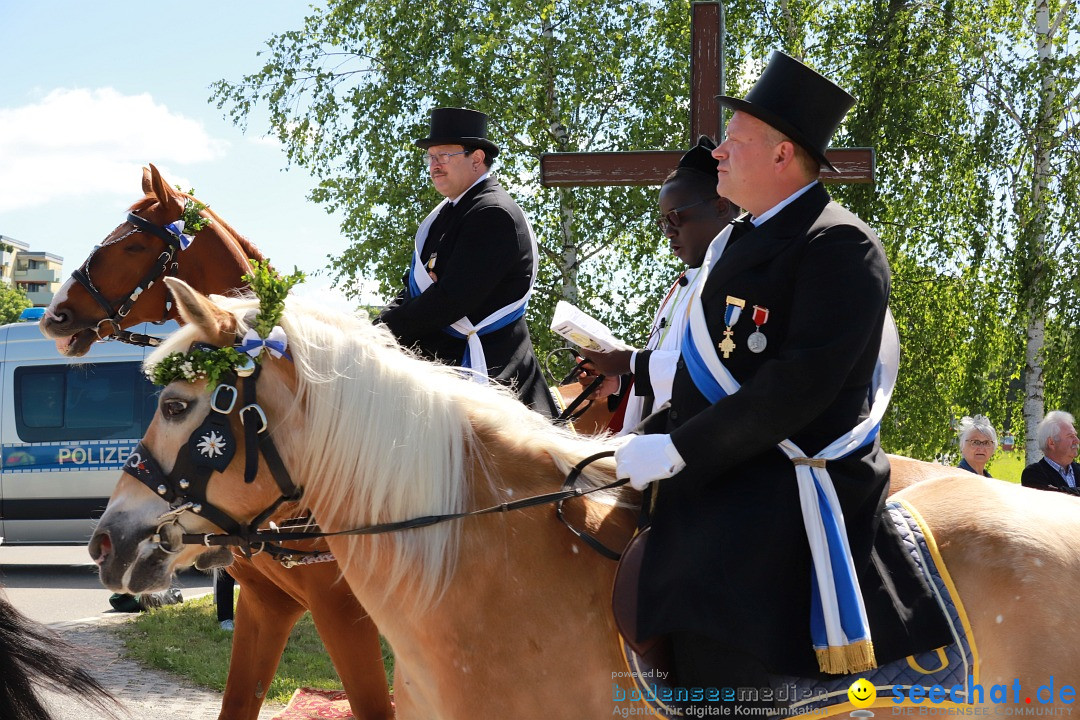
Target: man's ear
<point>784,154</point>
<point>197,309</point>
<point>478,153</point>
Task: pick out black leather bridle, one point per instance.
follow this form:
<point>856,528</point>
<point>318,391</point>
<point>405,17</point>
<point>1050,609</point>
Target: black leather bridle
<point>210,448</point>
<point>115,312</point>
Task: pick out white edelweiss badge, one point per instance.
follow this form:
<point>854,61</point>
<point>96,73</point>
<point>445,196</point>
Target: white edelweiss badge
<point>212,445</point>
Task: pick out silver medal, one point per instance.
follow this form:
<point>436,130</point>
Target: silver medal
<point>756,342</point>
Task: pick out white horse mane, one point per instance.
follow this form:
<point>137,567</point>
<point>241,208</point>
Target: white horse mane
<point>385,436</point>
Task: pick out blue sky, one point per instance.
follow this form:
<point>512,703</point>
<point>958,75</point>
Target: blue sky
<point>92,92</point>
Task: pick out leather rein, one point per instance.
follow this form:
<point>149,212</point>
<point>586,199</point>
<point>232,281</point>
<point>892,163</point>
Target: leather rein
<point>211,447</point>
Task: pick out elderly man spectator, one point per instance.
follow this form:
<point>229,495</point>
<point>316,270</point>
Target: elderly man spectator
<point>978,442</point>
<point>1057,470</point>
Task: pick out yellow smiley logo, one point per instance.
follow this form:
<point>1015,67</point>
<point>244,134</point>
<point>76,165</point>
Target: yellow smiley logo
<point>861,693</point>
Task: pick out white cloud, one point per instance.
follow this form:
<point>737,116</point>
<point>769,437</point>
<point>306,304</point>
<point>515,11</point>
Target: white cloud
<point>91,142</point>
<point>321,291</point>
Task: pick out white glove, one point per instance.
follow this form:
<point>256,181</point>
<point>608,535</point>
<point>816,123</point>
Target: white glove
<point>646,458</point>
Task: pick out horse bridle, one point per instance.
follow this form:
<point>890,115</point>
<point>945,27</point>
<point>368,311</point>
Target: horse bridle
<point>210,448</point>
<point>115,313</point>
<point>186,485</point>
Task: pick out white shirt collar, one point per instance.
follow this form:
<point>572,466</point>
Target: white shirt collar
<point>782,204</point>
<point>480,179</point>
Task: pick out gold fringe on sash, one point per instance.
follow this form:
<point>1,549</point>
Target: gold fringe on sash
<point>848,659</point>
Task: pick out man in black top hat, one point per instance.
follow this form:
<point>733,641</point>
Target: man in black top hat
<point>792,306</point>
<point>473,268</point>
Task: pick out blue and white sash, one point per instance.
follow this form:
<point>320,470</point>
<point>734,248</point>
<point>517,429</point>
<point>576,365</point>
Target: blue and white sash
<point>419,281</point>
<point>838,624</point>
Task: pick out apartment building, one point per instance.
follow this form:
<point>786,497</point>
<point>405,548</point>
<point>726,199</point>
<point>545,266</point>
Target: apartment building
<point>37,272</point>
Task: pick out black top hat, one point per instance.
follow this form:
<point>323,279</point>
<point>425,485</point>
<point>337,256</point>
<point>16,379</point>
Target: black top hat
<point>700,158</point>
<point>805,106</point>
<point>459,126</point>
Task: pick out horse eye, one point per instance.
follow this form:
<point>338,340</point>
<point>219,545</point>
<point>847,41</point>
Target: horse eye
<point>135,248</point>
<point>173,408</point>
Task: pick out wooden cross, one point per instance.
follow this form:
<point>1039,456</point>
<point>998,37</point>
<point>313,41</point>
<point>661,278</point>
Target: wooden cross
<point>650,167</point>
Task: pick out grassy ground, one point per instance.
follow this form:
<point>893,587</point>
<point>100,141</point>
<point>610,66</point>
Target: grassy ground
<point>1007,465</point>
<point>185,639</point>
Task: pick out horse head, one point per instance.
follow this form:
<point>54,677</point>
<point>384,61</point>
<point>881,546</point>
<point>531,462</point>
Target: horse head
<point>179,480</point>
<point>117,285</point>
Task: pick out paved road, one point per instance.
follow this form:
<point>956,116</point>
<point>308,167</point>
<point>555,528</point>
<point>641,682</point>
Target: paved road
<point>57,586</point>
<point>60,584</point>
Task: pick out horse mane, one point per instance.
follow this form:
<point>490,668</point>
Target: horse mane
<point>247,247</point>
<point>382,435</point>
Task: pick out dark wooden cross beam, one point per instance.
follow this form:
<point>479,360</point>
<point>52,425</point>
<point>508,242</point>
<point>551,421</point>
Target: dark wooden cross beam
<point>650,167</point>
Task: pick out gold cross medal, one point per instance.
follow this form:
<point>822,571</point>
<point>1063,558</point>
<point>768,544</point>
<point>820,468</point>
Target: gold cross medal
<point>731,316</point>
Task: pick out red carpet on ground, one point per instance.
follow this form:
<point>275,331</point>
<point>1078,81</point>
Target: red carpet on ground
<point>313,704</point>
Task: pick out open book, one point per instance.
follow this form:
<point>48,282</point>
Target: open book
<point>584,330</point>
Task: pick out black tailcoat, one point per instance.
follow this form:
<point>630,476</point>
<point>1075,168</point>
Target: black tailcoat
<point>1040,476</point>
<point>728,555</point>
<point>483,262</point>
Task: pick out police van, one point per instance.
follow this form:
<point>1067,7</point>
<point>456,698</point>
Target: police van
<point>66,427</point>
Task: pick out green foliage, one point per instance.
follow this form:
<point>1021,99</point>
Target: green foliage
<point>185,639</point>
<point>194,221</point>
<point>196,364</point>
<point>13,301</point>
<point>271,289</point>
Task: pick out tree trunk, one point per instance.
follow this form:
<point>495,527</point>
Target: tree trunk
<point>1035,308</point>
<point>568,258</point>
<point>1034,382</point>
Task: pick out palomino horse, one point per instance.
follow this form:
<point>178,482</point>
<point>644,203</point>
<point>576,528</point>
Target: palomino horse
<point>507,615</point>
<point>32,657</point>
<point>273,597</point>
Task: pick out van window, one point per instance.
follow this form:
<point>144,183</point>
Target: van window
<point>82,402</point>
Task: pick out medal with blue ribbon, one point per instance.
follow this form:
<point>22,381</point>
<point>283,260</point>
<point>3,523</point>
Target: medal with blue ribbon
<point>731,316</point>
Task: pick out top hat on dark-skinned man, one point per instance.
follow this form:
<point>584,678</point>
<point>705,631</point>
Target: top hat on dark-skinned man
<point>802,104</point>
<point>459,126</point>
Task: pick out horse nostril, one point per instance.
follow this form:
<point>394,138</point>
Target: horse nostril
<point>100,547</point>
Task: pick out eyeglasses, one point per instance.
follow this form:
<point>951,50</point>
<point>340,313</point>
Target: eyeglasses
<point>980,443</point>
<point>443,158</point>
<point>671,218</point>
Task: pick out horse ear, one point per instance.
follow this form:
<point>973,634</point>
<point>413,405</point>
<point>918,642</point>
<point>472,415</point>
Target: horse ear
<point>147,184</point>
<point>196,309</point>
<point>158,188</point>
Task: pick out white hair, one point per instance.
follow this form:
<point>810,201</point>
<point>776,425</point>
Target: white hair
<point>980,424</point>
<point>1050,427</point>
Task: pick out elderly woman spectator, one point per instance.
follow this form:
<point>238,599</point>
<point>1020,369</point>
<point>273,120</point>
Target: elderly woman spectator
<point>978,441</point>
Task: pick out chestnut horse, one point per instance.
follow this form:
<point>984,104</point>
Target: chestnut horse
<point>273,597</point>
<point>507,615</point>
